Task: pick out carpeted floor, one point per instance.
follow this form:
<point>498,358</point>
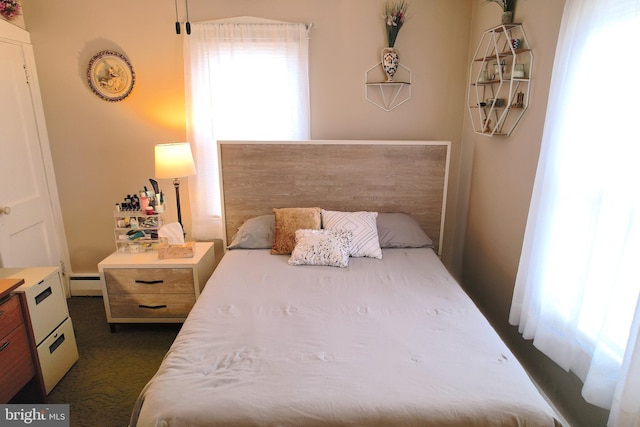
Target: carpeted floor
<point>102,387</point>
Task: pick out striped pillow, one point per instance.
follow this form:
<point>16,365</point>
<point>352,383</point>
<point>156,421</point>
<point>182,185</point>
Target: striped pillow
<point>365,241</point>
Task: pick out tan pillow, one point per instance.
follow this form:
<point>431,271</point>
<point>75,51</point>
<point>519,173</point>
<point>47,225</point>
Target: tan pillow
<point>287,221</point>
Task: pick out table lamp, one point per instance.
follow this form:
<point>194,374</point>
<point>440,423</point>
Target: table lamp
<point>174,160</point>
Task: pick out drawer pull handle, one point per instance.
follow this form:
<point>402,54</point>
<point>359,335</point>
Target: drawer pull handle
<point>5,345</point>
<point>43,295</point>
<point>56,344</point>
<point>149,282</point>
<point>153,307</point>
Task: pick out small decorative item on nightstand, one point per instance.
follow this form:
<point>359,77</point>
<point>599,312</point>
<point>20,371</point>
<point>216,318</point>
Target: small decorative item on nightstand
<point>136,231</point>
<point>167,251</point>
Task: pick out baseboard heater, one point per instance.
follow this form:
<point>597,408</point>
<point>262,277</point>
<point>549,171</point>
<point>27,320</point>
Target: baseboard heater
<point>85,285</point>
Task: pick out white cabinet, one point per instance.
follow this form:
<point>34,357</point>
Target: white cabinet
<point>500,80</point>
<point>49,318</point>
<point>141,288</point>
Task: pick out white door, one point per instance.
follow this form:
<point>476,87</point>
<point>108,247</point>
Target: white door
<point>27,231</point>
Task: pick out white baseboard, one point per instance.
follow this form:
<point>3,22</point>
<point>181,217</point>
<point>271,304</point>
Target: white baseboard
<point>559,415</point>
<point>85,285</point>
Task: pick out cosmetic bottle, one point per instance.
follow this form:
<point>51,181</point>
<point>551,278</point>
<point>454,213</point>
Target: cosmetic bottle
<point>144,201</point>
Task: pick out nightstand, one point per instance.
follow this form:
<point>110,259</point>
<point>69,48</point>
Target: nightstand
<point>140,288</point>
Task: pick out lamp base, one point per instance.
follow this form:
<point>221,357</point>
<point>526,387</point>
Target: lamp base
<point>176,185</point>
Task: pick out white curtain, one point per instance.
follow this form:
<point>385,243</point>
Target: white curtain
<point>577,287</point>
<point>244,81</point>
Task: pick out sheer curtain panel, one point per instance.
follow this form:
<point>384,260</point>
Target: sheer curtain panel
<point>244,81</point>
<point>576,292</point>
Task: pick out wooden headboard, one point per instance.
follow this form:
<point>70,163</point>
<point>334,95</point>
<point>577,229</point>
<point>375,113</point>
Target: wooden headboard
<point>381,176</point>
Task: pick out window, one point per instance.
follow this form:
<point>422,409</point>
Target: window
<point>578,282</point>
<point>244,81</point>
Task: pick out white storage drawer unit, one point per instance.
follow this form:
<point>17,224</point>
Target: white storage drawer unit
<point>52,327</point>
<point>57,354</point>
<point>141,288</point>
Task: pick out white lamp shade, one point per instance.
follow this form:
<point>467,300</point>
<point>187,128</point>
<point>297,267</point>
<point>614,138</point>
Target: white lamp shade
<point>174,160</point>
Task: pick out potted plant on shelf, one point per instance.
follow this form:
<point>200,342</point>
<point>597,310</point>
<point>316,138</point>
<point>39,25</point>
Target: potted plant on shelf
<point>395,13</point>
<point>9,9</point>
<point>507,9</point>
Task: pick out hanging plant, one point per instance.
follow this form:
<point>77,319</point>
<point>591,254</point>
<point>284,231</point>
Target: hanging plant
<point>9,9</point>
<point>506,5</point>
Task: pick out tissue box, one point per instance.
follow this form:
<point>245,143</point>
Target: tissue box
<point>167,251</point>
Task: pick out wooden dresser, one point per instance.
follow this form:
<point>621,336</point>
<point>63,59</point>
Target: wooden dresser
<point>20,375</point>
<point>49,320</point>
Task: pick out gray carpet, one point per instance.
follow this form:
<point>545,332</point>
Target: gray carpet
<point>102,387</point>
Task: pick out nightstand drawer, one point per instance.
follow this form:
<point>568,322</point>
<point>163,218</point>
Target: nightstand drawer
<point>16,365</point>
<point>149,280</point>
<point>151,305</point>
<point>10,315</point>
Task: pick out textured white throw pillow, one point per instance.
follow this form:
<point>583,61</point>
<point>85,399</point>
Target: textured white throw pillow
<point>365,241</point>
<point>321,247</point>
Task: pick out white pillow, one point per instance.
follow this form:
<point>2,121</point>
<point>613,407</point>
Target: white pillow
<point>321,247</point>
<point>365,241</point>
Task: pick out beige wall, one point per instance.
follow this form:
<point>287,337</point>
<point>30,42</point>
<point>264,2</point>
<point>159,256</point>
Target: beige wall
<point>102,150</point>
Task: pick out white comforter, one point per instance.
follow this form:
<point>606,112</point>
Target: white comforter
<point>383,342</point>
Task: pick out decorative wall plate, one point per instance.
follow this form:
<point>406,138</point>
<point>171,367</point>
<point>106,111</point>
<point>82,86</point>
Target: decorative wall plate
<point>110,75</point>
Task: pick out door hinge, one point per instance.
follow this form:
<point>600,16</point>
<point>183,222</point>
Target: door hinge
<point>27,74</point>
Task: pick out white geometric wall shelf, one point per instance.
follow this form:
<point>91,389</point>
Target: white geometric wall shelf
<point>384,94</point>
<point>500,80</point>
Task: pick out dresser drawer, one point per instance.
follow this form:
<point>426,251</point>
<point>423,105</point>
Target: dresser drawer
<point>16,365</point>
<point>10,315</point>
<point>149,280</point>
<point>151,305</point>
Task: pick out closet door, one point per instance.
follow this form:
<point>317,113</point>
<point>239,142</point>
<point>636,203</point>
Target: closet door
<point>28,235</point>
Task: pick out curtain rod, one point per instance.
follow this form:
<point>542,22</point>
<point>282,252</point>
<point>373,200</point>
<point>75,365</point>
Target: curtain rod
<point>188,24</point>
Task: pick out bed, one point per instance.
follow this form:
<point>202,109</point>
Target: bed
<point>345,329</point>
